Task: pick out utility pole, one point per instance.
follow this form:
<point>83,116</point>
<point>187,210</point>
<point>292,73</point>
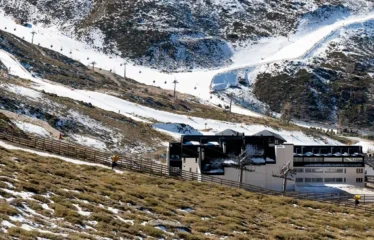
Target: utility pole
<point>32,39</point>
<point>244,159</point>
<point>284,172</point>
<point>285,180</point>
<point>93,65</point>
<point>231,95</point>
<point>124,71</point>
<point>175,82</point>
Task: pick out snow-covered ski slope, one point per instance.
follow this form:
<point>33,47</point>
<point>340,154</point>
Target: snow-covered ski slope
<point>196,82</point>
<point>297,46</point>
<point>165,121</point>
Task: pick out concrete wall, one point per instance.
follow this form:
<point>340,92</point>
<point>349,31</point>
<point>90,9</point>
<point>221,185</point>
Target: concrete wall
<point>231,174</point>
<point>262,175</point>
<point>369,170</point>
<point>191,164</point>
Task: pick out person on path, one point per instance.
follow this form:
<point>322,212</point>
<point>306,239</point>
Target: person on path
<point>357,200</point>
<point>115,159</point>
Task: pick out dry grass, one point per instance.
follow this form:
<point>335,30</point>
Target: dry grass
<point>217,210</point>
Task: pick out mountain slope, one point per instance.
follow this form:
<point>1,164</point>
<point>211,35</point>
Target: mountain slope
<point>174,35</point>
<point>334,82</point>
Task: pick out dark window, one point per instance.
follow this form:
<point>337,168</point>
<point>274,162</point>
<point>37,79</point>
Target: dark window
<point>359,180</point>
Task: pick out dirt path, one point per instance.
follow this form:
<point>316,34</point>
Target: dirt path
<point>108,74</point>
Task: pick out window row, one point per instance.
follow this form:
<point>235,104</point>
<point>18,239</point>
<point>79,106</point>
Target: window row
<point>326,180</point>
<point>320,170</point>
<point>320,180</point>
<point>326,170</point>
<point>327,159</point>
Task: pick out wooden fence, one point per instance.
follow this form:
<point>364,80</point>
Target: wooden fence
<point>148,166</point>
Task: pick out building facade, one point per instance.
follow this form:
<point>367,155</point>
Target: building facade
<point>262,156</point>
<point>316,165</point>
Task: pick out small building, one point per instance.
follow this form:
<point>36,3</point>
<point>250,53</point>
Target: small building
<point>217,155</point>
<point>325,164</point>
<point>262,156</point>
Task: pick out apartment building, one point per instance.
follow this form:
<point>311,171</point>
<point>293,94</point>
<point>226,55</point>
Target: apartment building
<point>329,165</point>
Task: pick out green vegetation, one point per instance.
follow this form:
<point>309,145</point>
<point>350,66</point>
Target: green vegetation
<point>296,90</point>
<point>130,204</point>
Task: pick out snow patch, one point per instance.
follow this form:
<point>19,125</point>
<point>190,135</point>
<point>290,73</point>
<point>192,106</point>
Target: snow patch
<point>81,212</point>
<point>31,128</point>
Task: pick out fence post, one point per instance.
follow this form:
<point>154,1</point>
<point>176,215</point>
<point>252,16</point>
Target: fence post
<point>162,166</point>
<point>150,172</point>
<point>44,144</point>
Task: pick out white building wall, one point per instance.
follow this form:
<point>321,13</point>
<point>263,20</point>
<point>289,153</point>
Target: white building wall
<point>350,174</point>
<point>191,165</point>
<point>369,170</point>
<point>263,174</point>
<point>284,154</point>
<point>257,178</point>
<point>231,174</point>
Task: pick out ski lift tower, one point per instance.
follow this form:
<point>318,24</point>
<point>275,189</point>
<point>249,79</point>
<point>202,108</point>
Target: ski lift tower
<point>244,159</point>
<point>286,172</point>
<point>175,82</point>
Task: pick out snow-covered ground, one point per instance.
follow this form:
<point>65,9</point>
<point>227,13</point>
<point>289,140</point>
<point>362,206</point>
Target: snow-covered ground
<point>367,145</point>
<point>31,128</point>
<point>197,83</point>
<point>19,90</point>
<point>335,188</point>
<point>89,142</point>
<point>142,113</point>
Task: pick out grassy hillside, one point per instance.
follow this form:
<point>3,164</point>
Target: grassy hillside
<point>48,198</point>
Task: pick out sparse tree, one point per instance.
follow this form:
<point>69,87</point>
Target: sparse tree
<point>268,112</point>
<point>286,114</point>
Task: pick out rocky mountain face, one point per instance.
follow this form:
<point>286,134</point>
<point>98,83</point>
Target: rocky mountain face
<point>334,83</point>
<point>174,35</point>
